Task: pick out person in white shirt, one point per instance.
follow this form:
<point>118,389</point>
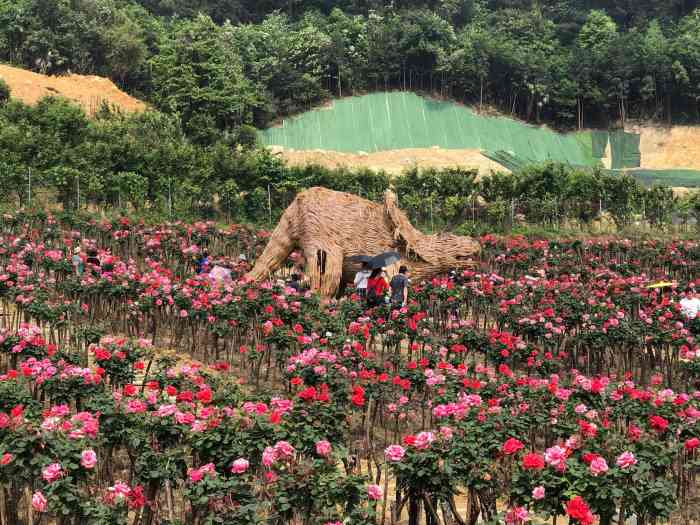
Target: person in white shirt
<point>361,278</point>
<point>690,304</point>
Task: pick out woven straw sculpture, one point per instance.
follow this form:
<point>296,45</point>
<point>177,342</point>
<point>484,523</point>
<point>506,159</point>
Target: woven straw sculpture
<point>330,226</point>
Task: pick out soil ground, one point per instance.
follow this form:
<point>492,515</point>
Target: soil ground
<point>393,161</point>
<point>87,91</point>
<point>674,147</point>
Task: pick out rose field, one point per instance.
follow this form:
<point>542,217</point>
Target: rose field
<point>548,384</point>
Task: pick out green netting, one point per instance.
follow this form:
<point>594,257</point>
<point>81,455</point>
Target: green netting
<point>679,178</point>
<point>505,159</point>
<point>625,150</point>
<point>397,120</point>
<point>599,141</point>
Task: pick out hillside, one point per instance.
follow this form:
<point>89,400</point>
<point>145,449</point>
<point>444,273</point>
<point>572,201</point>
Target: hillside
<point>392,131</point>
<point>88,91</point>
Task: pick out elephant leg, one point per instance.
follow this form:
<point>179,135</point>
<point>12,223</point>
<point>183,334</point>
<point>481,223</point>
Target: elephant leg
<point>324,268</point>
<point>276,252</point>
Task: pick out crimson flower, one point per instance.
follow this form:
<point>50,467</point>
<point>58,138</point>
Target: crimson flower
<point>533,461</point>
<point>577,509</point>
<point>658,423</point>
<point>691,444</point>
<point>511,446</point>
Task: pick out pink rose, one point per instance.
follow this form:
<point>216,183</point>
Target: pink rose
<point>269,456</point>
<point>284,450</point>
<point>240,466</point>
<point>538,492</point>
<point>6,459</point>
<point>446,432</point>
<point>39,501</point>
<point>374,492</point>
<point>626,460</point>
<point>598,466</point>
<point>52,472</point>
<point>195,475</point>
<point>556,457</point>
<point>323,448</point>
<point>516,516</point>
<point>424,439</point>
<point>394,452</point>
<point>88,458</point>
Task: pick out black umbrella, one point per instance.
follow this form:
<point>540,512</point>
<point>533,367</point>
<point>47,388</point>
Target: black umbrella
<point>384,259</point>
<point>360,258</point>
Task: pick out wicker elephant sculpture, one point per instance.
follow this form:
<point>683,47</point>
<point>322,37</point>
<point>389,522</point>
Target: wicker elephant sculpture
<point>330,226</point>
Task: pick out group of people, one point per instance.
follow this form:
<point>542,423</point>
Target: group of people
<point>80,261</point>
<point>374,285</point>
<point>203,264</point>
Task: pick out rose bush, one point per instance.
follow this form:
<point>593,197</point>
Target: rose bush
<point>548,381</point>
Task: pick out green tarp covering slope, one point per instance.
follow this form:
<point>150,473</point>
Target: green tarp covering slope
<point>398,120</point>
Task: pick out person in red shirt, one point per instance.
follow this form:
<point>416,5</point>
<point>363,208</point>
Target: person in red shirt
<point>376,287</point>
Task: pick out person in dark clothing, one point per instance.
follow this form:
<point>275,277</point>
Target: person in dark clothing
<point>399,288</point>
<point>201,262</point>
<point>295,283</point>
<point>93,262</point>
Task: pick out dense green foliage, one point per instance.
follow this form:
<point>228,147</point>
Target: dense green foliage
<point>146,163</point>
<point>220,63</point>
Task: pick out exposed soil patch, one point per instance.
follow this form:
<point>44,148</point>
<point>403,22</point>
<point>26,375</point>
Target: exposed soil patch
<point>393,161</point>
<point>674,147</point>
<point>87,91</point>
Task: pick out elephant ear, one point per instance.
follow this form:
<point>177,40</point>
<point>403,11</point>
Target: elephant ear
<point>417,243</point>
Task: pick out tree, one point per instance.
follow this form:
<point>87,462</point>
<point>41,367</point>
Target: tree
<point>686,68</point>
<point>289,63</point>
<point>656,60</point>
<point>593,61</point>
<point>198,72</point>
<point>4,92</point>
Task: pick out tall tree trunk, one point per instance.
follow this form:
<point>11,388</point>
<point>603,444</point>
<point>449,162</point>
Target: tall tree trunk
<point>481,94</point>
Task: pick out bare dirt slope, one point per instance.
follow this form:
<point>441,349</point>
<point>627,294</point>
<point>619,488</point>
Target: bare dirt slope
<point>393,161</point>
<point>87,91</point>
<point>674,147</point>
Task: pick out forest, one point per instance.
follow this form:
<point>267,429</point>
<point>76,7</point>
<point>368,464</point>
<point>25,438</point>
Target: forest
<point>215,70</point>
<point>220,64</point>
<point>146,165</point>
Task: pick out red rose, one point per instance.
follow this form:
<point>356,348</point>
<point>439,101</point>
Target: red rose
<point>409,440</point>
<point>357,400</point>
<point>588,457</point>
<point>505,370</point>
<point>171,390</point>
<point>185,396</point>
<point>204,396</point>
<point>511,446</point>
<point>658,423</point>
<point>129,390</point>
<point>296,381</point>
<point>691,444</point>
<point>577,509</point>
<point>533,461</point>
<point>308,394</point>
